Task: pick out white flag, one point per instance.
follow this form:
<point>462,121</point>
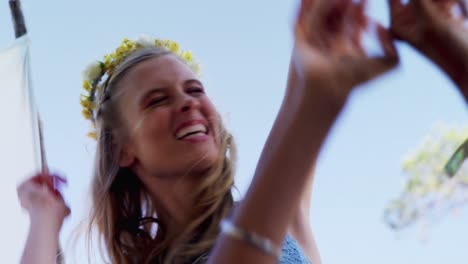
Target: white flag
<point>19,149</point>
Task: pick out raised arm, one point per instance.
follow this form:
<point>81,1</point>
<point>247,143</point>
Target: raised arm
<point>328,61</point>
<point>300,227</point>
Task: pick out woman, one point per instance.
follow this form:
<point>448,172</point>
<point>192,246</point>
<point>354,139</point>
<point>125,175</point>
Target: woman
<point>164,157</point>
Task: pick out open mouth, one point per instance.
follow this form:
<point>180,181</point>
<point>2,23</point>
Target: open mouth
<point>192,131</point>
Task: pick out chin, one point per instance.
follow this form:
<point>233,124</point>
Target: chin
<point>202,163</point>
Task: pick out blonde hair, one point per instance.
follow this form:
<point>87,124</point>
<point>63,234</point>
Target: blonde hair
<point>121,207</point>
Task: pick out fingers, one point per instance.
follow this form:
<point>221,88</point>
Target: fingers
<point>332,38</point>
<point>356,16</point>
<point>302,11</point>
<point>395,6</point>
<point>52,180</point>
<point>58,182</point>
<point>456,9</point>
<point>375,66</point>
<point>328,13</point>
<point>334,14</point>
<point>463,8</point>
<point>40,199</point>
<point>362,68</point>
<point>434,9</point>
<point>31,190</point>
<point>326,23</point>
<point>387,43</point>
<point>304,7</point>
<point>301,28</point>
<point>362,4</point>
<point>357,22</point>
<point>41,184</point>
<point>444,5</point>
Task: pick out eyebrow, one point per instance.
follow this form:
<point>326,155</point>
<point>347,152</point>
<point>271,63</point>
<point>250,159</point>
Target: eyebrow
<point>160,89</point>
<point>193,81</point>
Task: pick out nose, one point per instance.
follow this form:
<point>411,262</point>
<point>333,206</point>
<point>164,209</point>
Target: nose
<point>188,103</point>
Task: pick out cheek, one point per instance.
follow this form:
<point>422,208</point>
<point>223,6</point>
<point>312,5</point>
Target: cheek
<point>152,129</point>
<point>211,114</point>
<point>206,102</point>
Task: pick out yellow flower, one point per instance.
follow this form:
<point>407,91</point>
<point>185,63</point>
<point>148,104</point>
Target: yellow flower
<point>107,60</point>
<point>88,104</point>
<point>158,43</point>
<point>120,50</point>
<point>173,47</point>
<point>84,102</point>
<point>87,85</point>
<point>187,56</point>
<point>92,135</point>
<point>87,114</point>
<point>84,97</point>
<point>113,55</point>
<point>126,43</point>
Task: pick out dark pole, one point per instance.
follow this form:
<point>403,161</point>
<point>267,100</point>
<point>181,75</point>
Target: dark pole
<point>18,18</point>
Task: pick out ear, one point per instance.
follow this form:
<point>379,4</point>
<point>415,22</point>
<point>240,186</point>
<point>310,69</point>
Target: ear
<point>127,157</point>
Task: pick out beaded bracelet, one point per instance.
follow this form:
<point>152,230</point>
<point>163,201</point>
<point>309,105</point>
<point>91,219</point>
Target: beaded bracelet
<point>263,244</point>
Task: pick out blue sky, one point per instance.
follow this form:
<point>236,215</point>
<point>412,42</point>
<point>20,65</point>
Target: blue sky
<point>244,47</point>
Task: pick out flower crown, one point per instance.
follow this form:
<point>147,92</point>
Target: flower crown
<point>95,72</point>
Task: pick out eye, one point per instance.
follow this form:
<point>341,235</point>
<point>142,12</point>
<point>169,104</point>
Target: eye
<point>195,90</point>
<point>156,101</point>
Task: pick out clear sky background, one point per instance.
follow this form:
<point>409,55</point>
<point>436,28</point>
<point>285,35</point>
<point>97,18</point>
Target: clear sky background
<point>244,47</point>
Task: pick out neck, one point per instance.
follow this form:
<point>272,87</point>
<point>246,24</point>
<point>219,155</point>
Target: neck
<point>173,200</point>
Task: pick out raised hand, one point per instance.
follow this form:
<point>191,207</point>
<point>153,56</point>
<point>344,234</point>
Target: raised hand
<point>39,197</point>
<point>329,56</point>
<point>436,29</point>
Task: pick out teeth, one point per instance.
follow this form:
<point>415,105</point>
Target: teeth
<point>191,130</point>
<point>195,135</point>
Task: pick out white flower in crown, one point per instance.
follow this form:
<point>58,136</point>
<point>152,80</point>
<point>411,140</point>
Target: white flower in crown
<point>93,71</point>
<point>196,68</point>
<point>146,41</point>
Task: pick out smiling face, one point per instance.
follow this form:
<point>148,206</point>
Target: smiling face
<point>171,125</point>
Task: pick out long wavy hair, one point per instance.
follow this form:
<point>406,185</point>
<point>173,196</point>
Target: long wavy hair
<point>122,210</point>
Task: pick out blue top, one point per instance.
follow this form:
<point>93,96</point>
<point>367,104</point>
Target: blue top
<point>291,253</point>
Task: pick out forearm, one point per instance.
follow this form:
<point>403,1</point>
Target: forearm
<point>286,161</point>
<point>302,214</point>
<point>42,242</point>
